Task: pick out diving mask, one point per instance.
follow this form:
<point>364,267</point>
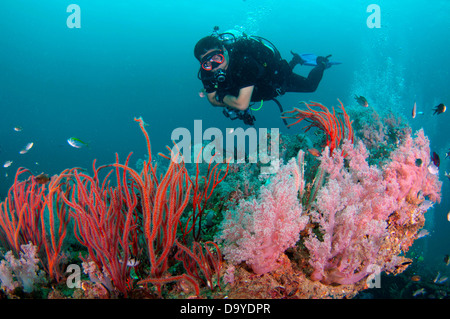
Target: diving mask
<point>213,60</point>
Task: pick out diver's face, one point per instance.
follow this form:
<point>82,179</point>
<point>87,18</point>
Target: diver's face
<point>214,59</point>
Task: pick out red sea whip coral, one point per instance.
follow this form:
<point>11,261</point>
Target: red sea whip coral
<point>37,213</point>
<point>336,129</point>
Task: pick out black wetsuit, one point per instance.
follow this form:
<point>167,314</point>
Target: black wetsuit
<point>250,64</point>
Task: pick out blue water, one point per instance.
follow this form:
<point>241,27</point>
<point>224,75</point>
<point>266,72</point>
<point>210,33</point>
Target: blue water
<point>136,59</point>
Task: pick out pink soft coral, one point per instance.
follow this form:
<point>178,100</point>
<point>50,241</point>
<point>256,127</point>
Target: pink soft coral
<point>258,231</point>
<point>361,210</point>
<point>24,270</point>
<point>350,209</point>
<point>407,172</point>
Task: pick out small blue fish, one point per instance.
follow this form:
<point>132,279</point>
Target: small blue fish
<point>415,112</point>
<point>433,169</point>
<point>361,100</point>
<point>422,233</point>
<point>418,292</point>
<point>26,148</point>
<point>439,279</point>
<point>426,205</point>
<point>76,142</point>
<point>7,164</point>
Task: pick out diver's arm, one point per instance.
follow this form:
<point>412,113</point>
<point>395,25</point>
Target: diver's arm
<point>212,99</point>
<point>314,78</point>
<point>242,101</point>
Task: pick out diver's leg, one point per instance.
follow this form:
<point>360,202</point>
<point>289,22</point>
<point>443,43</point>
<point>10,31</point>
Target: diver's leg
<point>298,83</point>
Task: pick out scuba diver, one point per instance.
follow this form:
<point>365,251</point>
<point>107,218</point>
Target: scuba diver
<point>237,69</point>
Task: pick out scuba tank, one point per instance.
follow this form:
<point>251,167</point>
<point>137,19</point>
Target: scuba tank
<point>228,37</point>
<point>232,36</point>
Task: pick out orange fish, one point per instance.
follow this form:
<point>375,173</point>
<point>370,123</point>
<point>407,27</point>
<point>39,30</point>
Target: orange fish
<point>314,152</point>
<point>42,179</point>
<point>415,278</point>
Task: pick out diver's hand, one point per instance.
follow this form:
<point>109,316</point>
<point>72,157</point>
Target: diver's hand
<point>296,59</point>
<point>220,95</point>
<point>212,98</point>
<point>323,61</point>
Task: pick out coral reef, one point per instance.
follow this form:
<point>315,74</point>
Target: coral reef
<point>323,226</point>
<point>363,217</point>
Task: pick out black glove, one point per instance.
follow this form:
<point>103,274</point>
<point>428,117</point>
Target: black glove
<point>248,117</point>
<point>323,61</point>
<point>296,59</point>
<point>220,94</point>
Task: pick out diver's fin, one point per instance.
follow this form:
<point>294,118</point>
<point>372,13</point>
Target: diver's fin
<point>310,59</point>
